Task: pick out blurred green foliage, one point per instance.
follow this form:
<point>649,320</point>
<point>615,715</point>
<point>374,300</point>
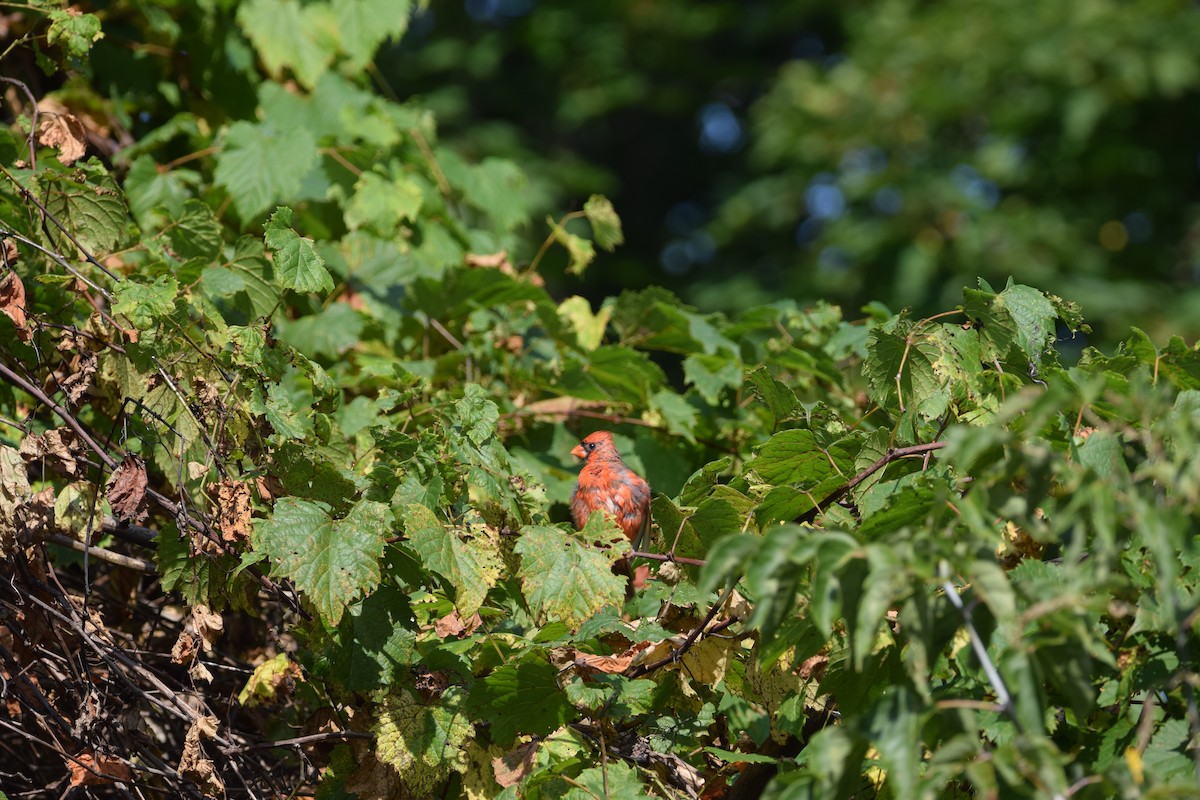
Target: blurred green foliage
<point>850,151</point>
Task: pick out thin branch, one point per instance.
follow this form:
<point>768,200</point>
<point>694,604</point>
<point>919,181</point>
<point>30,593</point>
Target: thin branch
<point>695,562</point>
<point>29,195</point>
<point>33,113</point>
<point>119,559</point>
<point>299,740</point>
<point>891,455</point>
<point>692,638</point>
<point>989,669</point>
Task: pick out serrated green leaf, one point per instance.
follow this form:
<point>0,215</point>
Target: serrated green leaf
<point>900,373</point>
<point>498,188</point>
<point>894,727</point>
<point>144,303</point>
<point>378,641</point>
<point>298,266</point>
<point>620,779</point>
<point>606,225</point>
<point>423,743</point>
<point>332,561</point>
<point>611,373</point>
<point>87,203</point>
<point>780,400</point>
<point>365,24</point>
<point>522,698</point>
<point>75,31</point>
<point>262,165</point>
<point>147,189</point>
<point>477,414</point>
<point>472,567</point>
<point>564,579</point>
<point>290,36</point>
<point>195,233</point>
<point>702,480</point>
<point>381,203</point>
<point>712,374</point>
<point>328,334</point>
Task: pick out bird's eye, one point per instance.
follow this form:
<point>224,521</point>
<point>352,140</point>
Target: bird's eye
<point>589,446</point>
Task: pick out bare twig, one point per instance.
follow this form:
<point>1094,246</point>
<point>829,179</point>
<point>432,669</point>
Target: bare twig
<point>692,638</point>
<point>891,455</point>
<point>695,562</point>
<point>119,559</point>
<point>989,669</point>
<point>299,740</point>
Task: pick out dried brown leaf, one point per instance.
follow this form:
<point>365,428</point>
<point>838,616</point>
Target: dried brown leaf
<point>12,304</point>
<point>453,625</point>
<point>9,253</point>
<point>127,489</point>
<point>200,630</point>
<point>38,514</point>
<point>65,133</point>
<point>60,445</point>
<point>193,763</point>
<point>78,378</point>
<point>89,769</point>
<point>813,667</point>
<point>511,768</point>
<point>610,664</point>
<point>233,509</point>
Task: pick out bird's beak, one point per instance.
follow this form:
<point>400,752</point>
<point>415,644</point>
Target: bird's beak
<point>578,452</point>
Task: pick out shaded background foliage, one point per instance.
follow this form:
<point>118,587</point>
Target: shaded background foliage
<point>848,151</point>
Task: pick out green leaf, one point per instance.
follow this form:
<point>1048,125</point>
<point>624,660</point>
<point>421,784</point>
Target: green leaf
<point>794,457</point>
<point>711,374</point>
<point>143,304</point>
<point>589,328</point>
<point>290,36</point>
<point>381,204</point>
<point>579,250</point>
<point>423,743</point>
<point>522,698</point>
<point>88,204</point>
<point>328,334</point>
<point>620,779</point>
<point>702,481</point>
<point>477,414</point>
<point>1019,315</point>
<point>894,726</point>
<point>147,189</point>
<point>780,400</point>
<point>611,373</point>
<point>471,566</point>
<point>606,225</point>
<point>377,641</point>
<point>564,579</point>
<point>900,373</point>
<point>297,265</point>
<point>262,165</point>
<point>75,31</point>
<point>365,24</point>
<point>196,233</point>
<point>332,561</point>
<point>498,188</point>
<point>679,415</point>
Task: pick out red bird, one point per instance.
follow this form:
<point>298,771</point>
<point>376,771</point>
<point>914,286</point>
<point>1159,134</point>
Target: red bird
<point>606,484</point>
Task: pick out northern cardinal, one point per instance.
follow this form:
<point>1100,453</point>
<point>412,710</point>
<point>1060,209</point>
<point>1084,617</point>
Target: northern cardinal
<point>606,484</point>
